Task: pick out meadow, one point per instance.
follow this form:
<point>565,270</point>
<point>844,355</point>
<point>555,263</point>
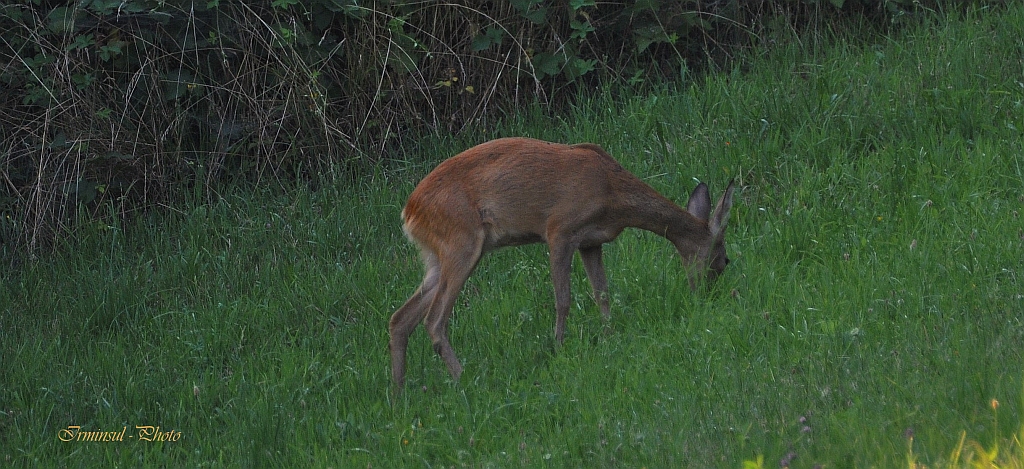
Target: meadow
<point>872,315</point>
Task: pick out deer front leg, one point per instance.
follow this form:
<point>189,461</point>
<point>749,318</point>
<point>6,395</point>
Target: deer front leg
<point>594,267</point>
<point>561,267</point>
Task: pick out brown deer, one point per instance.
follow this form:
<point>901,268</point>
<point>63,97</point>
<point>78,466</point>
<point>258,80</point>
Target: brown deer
<point>515,191</point>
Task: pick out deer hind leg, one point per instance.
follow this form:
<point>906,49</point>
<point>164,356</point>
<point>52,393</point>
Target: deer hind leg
<point>406,318</point>
<point>456,266</point>
<point>594,267</point>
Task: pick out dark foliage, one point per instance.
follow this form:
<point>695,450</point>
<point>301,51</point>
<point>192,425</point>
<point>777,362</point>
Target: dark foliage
<point>109,106</point>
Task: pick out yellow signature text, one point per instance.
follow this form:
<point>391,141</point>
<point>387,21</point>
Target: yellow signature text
<point>142,433</point>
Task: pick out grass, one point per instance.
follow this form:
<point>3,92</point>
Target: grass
<point>870,317</point>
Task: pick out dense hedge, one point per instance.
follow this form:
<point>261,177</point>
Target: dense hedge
<point>115,104</point>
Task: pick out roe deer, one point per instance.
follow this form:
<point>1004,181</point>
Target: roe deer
<point>515,191</point>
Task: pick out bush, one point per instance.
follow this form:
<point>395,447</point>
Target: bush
<point>125,103</point>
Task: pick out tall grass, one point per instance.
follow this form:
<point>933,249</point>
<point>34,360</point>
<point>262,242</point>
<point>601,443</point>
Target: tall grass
<point>871,314</point>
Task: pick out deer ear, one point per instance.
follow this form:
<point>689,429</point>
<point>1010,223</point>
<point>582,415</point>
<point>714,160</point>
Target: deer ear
<point>721,215</point>
<point>699,204</point>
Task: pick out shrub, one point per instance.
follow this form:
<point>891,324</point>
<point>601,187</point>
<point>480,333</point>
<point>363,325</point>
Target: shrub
<point>124,103</point>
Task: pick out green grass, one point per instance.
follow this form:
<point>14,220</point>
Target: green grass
<point>875,294</point>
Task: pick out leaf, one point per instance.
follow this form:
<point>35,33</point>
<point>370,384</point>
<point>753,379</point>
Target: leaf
<point>493,36</point>
<point>480,43</point>
<point>82,41</point>
<point>176,83</point>
<point>111,50</point>
<point>83,191</point>
<point>755,464</point>
<point>104,7</point>
<point>59,141</point>
<point>578,67</point>
<point>580,29</point>
<point>350,8</point>
<point>649,34</point>
<point>283,4</point>
<point>60,19</point>
<point>546,64</point>
<point>403,55</point>
<point>524,5</point>
<point>83,80</point>
<point>538,16</point>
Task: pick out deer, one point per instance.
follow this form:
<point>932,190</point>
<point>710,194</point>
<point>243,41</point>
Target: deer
<point>515,191</point>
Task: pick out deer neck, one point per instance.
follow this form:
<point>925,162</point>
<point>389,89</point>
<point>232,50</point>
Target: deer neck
<point>648,210</point>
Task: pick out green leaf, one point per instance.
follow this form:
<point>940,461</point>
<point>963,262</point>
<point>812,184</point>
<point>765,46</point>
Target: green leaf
<point>60,19</point>
<point>546,64</point>
<point>83,80</point>
<point>103,7</point>
<point>492,36</point>
<point>646,35</point>
<point>283,4</point>
<point>538,16</point>
<point>350,8</point>
<point>83,191</point>
<point>754,464</point>
<point>111,50</point>
<point>480,43</point>
<point>176,83</point>
<point>82,41</point>
<point>524,5</point>
<point>405,53</point>
<point>580,29</point>
<point>578,67</point>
